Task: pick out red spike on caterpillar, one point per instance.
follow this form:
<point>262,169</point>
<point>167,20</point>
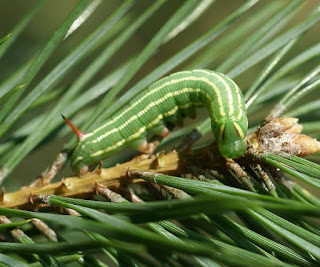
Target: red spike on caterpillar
<point>74,128</point>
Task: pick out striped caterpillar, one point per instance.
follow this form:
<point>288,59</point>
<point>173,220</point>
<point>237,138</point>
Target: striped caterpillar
<point>168,101</point>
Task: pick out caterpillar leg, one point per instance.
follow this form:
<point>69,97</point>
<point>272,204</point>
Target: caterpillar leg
<point>147,147</point>
<point>176,118</point>
<point>165,132</point>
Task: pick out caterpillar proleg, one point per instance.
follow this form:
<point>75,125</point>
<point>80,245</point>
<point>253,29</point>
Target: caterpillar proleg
<point>168,100</point>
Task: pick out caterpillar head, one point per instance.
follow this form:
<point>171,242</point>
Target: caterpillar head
<point>231,139</point>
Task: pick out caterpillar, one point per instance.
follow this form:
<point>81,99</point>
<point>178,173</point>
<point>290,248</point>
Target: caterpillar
<point>165,102</point>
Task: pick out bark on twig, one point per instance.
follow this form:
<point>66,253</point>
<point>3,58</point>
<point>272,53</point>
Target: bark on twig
<point>172,163</point>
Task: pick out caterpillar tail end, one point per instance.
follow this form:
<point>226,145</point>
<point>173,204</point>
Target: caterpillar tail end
<point>73,127</point>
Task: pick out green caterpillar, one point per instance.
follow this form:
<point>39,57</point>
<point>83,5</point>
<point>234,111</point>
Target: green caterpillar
<point>168,101</point>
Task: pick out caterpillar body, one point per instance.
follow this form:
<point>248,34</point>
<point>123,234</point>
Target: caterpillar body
<point>168,101</point>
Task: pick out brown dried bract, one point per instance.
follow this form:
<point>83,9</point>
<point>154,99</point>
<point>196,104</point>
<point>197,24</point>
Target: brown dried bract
<point>283,135</point>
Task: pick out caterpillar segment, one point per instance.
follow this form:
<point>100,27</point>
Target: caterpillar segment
<point>167,102</point>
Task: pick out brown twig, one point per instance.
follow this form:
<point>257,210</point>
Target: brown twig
<point>114,177</point>
<point>271,138</point>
